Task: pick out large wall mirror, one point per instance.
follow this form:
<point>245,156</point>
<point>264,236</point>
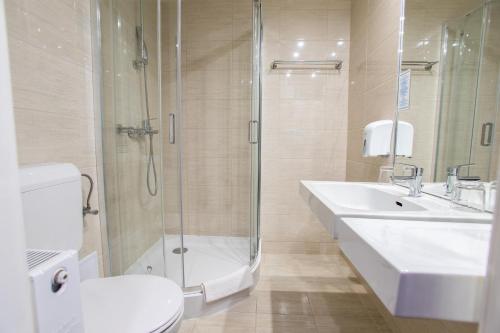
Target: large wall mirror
<point>450,64</point>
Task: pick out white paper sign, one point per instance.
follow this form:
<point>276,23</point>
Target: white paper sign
<point>404,90</point>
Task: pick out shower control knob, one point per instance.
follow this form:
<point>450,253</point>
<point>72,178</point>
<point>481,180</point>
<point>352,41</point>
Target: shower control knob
<point>59,279</point>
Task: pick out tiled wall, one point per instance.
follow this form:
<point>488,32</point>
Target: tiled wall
<point>52,86</point>
<point>304,123</point>
<point>372,78</point>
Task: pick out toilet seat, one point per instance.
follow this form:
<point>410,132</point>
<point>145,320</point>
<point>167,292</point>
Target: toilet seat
<point>131,304</point>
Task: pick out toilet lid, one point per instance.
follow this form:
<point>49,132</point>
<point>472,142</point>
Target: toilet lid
<point>130,304</point>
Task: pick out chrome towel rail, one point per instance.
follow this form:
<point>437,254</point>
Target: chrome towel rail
<point>307,64</point>
<point>420,65</point>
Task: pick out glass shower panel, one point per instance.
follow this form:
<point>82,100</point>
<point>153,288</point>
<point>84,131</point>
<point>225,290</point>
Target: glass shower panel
<point>255,123</point>
<point>488,94</point>
<point>171,117</point>
<point>217,155</point>
<point>131,136</point>
<point>460,59</point>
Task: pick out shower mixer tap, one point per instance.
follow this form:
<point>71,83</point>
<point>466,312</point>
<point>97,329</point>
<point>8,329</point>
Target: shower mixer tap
<point>137,132</point>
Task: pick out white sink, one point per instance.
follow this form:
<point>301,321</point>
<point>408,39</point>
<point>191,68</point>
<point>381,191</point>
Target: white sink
<point>331,201</point>
<point>364,197</point>
<point>420,269</point>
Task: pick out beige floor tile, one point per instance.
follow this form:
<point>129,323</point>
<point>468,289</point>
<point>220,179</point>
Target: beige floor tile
<point>223,329</point>
<point>300,270</point>
<point>228,319</point>
<point>303,284</point>
<point>247,305</point>
<point>306,259</point>
<point>279,302</point>
<point>461,327</point>
<point>361,320</point>
<point>343,322</point>
<point>273,320</point>
<point>290,247</point>
<point>187,326</point>
<point>285,330</point>
<point>357,287</point>
<point>329,248</point>
<point>347,304</point>
<point>347,330</point>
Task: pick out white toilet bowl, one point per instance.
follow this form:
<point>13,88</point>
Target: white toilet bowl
<point>131,304</point>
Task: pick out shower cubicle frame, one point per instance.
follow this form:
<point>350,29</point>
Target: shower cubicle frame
<point>193,294</point>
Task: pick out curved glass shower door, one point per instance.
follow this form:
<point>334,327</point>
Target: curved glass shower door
<point>133,139</point>
<point>220,120</point>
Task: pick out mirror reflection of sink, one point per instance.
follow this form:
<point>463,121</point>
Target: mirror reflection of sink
<point>439,190</point>
<point>331,201</point>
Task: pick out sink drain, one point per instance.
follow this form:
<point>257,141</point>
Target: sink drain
<point>177,250</point>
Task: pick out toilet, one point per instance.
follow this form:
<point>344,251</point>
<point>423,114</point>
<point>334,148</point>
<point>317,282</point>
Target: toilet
<point>52,208</point>
<point>131,303</point>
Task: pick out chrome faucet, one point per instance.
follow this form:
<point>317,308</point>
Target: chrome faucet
<point>414,180</point>
<point>454,177</point>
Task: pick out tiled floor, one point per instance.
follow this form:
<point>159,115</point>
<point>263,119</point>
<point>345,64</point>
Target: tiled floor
<point>313,293</point>
<point>299,293</point>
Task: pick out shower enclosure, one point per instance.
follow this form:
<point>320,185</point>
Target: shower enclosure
<point>179,113</point>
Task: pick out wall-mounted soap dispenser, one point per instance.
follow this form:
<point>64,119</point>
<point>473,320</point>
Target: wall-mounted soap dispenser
<point>377,139</point>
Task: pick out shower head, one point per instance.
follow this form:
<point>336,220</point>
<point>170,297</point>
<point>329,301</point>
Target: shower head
<point>142,50</point>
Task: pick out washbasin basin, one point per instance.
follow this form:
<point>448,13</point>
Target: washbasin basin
<point>365,197</point>
<point>330,201</point>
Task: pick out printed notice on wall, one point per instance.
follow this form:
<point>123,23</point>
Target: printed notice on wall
<point>404,90</point>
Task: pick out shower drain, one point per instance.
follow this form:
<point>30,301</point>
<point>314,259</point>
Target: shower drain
<point>177,250</point>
